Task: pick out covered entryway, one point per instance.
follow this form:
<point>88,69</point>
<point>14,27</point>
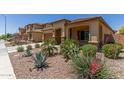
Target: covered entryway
<point>58,36</point>
<point>79,33</point>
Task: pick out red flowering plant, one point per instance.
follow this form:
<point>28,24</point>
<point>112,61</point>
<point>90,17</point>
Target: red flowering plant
<point>90,68</point>
<point>95,67</point>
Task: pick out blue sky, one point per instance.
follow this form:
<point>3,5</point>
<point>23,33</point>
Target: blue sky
<point>14,21</point>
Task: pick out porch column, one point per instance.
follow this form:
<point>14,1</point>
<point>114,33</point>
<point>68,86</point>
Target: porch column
<point>53,35</point>
<point>62,35</point>
<point>67,33</point>
<point>62,39</point>
<point>43,37</point>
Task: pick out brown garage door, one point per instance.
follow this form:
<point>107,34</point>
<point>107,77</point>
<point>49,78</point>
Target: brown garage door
<point>48,36</point>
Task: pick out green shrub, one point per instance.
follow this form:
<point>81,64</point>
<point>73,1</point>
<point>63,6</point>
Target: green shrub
<point>28,53</point>
<point>90,68</point>
<point>37,45</point>
<point>20,49</point>
<point>40,61</point>
<point>7,36</point>
<point>89,50</point>
<point>29,47</point>
<point>121,30</point>
<point>48,47</point>
<point>13,43</point>
<point>112,50</point>
<point>119,45</point>
<point>69,49</point>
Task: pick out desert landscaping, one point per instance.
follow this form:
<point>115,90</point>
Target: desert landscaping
<point>58,66</point>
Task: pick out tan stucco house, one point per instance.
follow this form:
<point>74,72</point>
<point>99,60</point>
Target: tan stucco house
<point>85,30</point>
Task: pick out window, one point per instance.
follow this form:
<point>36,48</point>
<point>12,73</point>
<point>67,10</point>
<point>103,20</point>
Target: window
<point>83,35</point>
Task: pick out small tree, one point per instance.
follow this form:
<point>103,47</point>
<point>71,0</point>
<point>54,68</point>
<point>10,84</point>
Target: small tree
<point>121,30</point>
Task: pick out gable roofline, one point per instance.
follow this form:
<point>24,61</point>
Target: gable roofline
<point>84,19</point>
<point>61,20</point>
<point>48,22</point>
<point>105,23</point>
<point>33,24</point>
<point>92,18</point>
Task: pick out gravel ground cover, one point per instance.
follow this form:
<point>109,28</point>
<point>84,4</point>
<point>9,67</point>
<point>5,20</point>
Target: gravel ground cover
<point>116,66</point>
<point>58,68</point>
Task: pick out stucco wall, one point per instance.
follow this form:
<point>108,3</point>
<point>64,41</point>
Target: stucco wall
<point>119,38</point>
<point>94,30</point>
<point>60,25</point>
<point>48,25</point>
<point>106,31</point>
<point>37,37</point>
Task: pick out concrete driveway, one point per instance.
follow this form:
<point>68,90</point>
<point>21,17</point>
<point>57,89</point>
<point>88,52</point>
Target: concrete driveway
<point>6,69</point>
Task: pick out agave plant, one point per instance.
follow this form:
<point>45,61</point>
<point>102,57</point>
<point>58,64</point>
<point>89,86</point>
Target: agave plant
<point>40,61</point>
<point>28,53</point>
<point>69,49</point>
<point>48,47</point>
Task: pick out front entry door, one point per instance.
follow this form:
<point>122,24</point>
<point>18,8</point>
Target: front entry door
<point>58,36</point>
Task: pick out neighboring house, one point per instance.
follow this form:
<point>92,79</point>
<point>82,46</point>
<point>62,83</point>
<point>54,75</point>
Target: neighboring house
<point>22,33</point>
<point>34,32</point>
<point>86,30</point>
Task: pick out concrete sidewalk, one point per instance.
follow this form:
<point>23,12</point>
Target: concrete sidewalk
<point>6,69</point>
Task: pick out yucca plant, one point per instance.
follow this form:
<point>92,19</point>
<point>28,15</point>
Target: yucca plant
<point>40,61</point>
<point>69,49</point>
<point>28,53</point>
<point>48,47</point>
